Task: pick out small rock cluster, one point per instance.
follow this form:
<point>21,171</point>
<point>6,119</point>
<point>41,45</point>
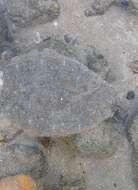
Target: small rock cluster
<point>99,7</point>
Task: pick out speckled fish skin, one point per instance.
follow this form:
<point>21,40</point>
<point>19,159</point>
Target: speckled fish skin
<point>50,94</point>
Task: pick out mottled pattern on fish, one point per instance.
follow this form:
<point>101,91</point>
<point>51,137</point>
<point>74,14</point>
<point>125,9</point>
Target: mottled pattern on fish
<point>52,94</point>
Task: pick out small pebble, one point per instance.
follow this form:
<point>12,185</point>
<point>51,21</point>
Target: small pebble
<point>115,185</point>
<point>125,3</point>
<point>130,95</point>
<point>67,38</point>
<point>37,38</point>
<point>88,13</point>
<point>73,40</point>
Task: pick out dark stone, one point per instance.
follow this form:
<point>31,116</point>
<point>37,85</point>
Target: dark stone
<point>124,3</point>
<point>130,95</point>
<point>115,185</point>
<point>67,38</point>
